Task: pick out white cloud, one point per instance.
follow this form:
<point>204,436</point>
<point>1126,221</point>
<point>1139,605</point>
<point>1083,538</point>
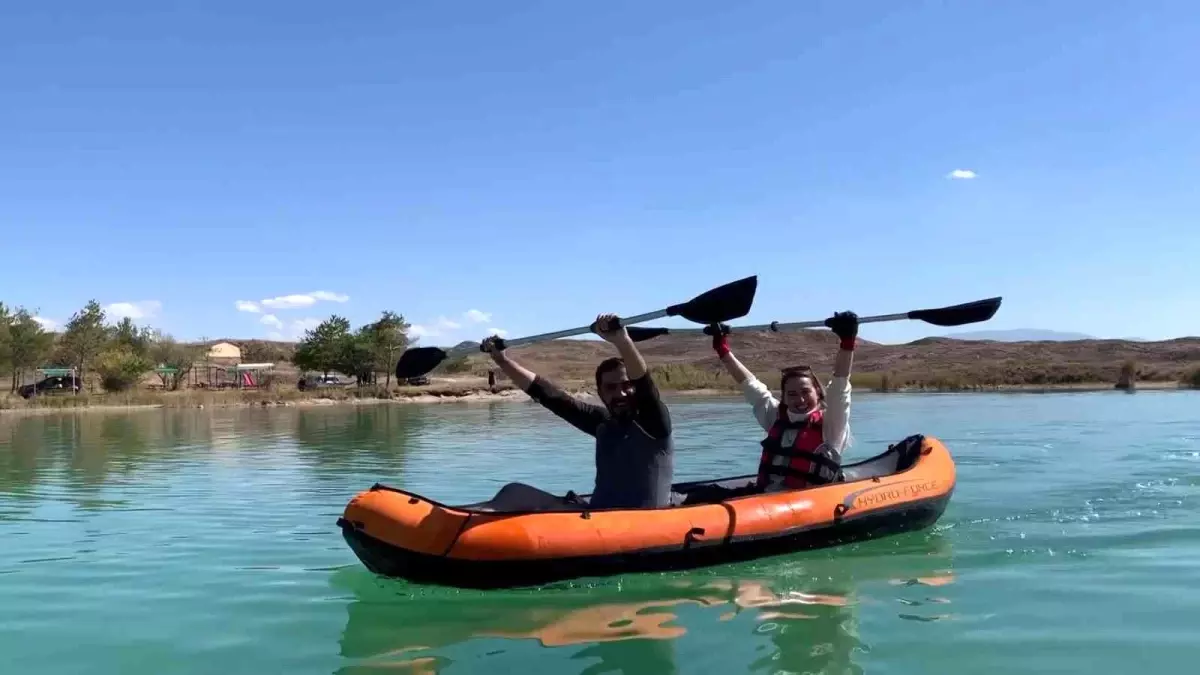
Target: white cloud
<point>46,324</point>
<point>448,330</point>
<point>291,331</point>
<point>329,296</point>
<point>439,327</point>
<point>133,310</point>
<point>288,330</point>
<point>292,301</point>
<point>961,174</point>
<point>476,316</point>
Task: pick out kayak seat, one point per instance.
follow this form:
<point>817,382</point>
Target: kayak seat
<point>898,457</point>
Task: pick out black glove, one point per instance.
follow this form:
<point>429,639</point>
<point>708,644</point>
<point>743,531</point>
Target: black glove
<point>845,326</point>
<point>493,344</point>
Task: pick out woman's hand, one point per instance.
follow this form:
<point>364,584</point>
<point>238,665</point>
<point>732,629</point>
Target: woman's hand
<point>720,343</point>
<point>845,326</point>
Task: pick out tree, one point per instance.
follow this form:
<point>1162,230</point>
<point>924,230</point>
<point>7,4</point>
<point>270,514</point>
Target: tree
<point>257,351</point>
<point>120,367</point>
<point>322,348</point>
<point>128,334</point>
<point>84,336</point>
<point>26,344</point>
<point>165,351</point>
<point>125,356</point>
<point>388,336</point>
<point>5,353</point>
<point>5,320</point>
<point>357,357</point>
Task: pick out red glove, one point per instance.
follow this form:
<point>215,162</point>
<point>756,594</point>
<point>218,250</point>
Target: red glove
<point>719,342</point>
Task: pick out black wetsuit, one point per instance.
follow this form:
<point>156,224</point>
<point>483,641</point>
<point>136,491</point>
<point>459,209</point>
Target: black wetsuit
<point>635,454</point>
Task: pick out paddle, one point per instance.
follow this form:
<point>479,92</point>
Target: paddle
<point>954,315</point>
<point>718,305</point>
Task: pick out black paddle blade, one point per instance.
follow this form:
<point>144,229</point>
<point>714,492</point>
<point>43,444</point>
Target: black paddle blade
<point>641,334</point>
<point>723,303</point>
<point>418,361</point>
<point>957,315</point>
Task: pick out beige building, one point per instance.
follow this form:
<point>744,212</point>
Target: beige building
<point>225,351</point>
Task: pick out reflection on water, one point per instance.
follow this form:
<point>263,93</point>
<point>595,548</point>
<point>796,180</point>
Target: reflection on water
<point>795,617</point>
<point>87,450</point>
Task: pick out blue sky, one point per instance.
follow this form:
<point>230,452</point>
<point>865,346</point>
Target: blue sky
<point>527,165</point>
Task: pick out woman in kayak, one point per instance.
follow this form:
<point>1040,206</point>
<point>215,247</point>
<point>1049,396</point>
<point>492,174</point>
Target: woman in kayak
<point>807,428</point>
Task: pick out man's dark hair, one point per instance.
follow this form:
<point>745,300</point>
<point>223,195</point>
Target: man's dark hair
<point>611,363</point>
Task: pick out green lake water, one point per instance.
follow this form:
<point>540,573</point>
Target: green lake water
<point>204,541</point>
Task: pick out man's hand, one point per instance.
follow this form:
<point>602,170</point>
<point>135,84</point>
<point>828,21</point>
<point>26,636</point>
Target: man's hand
<point>608,326</point>
<point>520,375</point>
<point>494,347</point>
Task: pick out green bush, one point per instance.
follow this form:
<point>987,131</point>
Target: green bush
<point>1192,378</point>
<point>461,364</point>
<point>120,368</point>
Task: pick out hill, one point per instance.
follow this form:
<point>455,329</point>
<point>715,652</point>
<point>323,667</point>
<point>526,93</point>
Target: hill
<point>1021,335</point>
<point>936,362</point>
<point>943,362</point>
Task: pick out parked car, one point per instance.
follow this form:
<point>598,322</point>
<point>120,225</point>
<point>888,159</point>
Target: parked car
<point>55,384</point>
<point>417,381</point>
<point>318,381</point>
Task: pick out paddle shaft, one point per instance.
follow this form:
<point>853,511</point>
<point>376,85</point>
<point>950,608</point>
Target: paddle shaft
<point>581,330</point>
<point>728,300</point>
<point>640,318</point>
<point>776,327</point>
<point>557,334</point>
<point>954,315</point>
<point>714,306</point>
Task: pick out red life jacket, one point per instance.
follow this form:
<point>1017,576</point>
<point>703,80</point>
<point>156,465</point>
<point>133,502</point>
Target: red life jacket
<point>804,462</point>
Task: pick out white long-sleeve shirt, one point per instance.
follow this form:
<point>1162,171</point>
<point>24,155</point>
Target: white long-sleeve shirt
<point>836,424</point>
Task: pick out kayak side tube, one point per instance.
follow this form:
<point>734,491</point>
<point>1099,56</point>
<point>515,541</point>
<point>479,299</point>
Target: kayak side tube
<point>400,534</point>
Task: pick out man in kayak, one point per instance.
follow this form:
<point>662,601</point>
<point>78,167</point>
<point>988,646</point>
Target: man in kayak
<point>634,445</point>
<point>807,428</point>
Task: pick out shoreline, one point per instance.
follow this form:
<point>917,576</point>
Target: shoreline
<point>472,394</point>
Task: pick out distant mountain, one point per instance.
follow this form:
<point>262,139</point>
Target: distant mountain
<point>1020,335</point>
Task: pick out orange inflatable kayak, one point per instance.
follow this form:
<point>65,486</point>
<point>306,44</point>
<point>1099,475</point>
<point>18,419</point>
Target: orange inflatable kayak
<point>400,534</point>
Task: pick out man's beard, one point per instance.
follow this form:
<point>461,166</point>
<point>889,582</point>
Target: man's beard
<point>620,408</point>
